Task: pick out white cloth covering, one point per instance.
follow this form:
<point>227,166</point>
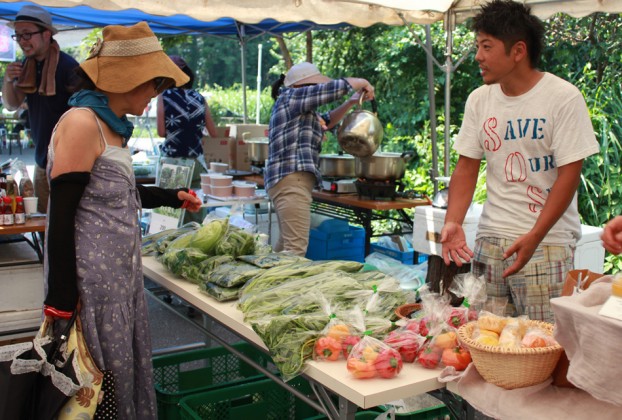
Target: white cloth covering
<point>542,401</point>
<point>591,341</point>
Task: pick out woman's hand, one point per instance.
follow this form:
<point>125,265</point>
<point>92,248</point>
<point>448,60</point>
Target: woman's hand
<point>191,202</point>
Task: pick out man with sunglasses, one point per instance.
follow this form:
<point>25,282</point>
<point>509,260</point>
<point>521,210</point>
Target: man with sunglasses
<point>44,79</point>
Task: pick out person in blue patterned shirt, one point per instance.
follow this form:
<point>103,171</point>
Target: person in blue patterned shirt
<point>182,115</point>
<point>295,140</point>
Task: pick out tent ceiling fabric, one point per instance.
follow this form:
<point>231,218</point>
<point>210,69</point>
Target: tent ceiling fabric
<point>222,17</point>
<point>324,12</point>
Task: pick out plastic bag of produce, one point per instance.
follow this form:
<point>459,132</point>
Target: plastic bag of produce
<point>198,273</point>
<point>273,259</point>
<point>371,358</point>
<point>219,293</point>
<point>176,259</point>
<point>232,274</point>
<point>209,235</point>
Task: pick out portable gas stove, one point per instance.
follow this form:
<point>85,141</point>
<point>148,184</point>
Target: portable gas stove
<point>339,185</point>
<point>378,190</point>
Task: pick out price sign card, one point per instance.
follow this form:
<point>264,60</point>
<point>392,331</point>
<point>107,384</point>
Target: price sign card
<point>612,308</point>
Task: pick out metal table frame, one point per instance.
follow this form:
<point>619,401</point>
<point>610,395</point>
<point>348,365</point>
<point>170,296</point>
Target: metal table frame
<point>17,233</point>
<point>336,394</point>
<point>364,212</point>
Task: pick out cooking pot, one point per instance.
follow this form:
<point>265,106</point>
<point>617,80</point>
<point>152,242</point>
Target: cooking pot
<point>382,166</point>
<point>361,131</point>
<point>337,165</point>
<point>257,149</point>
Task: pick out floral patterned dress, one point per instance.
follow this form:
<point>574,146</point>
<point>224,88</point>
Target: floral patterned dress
<point>114,312</point>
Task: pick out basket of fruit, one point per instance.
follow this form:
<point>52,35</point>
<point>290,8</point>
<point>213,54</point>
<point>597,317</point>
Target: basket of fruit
<point>525,356</point>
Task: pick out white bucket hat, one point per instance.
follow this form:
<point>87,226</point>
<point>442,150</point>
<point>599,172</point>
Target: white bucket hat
<point>304,73</point>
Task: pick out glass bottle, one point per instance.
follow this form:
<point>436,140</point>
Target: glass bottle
<point>8,212</point>
<point>11,190</point>
<point>20,214</point>
<point>2,186</point>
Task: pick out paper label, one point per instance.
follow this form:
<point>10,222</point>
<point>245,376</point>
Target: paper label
<point>612,308</point>
<point>160,222</point>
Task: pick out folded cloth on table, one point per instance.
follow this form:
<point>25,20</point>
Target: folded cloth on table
<point>590,340</point>
<point>542,401</point>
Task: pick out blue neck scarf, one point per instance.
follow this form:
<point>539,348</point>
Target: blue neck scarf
<point>98,102</point>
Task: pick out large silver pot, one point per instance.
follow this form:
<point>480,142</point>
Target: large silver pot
<point>257,149</point>
<point>382,166</point>
<point>361,131</point>
<point>337,166</point>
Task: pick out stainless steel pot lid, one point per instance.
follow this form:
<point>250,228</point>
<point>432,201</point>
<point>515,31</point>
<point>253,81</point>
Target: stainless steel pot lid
<point>258,140</point>
<point>336,156</point>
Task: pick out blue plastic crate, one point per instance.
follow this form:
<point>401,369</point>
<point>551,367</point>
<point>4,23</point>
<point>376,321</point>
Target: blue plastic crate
<point>346,245</point>
<point>406,257</point>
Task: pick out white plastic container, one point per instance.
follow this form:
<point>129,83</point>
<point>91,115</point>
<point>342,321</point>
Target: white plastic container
<point>226,191</point>
<point>205,178</point>
<point>206,188</point>
<point>220,180</point>
<point>429,221</point>
<point>218,167</point>
<point>244,189</point>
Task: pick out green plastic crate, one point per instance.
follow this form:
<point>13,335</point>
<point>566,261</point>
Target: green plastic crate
<point>263,399</point>
<point>181,374</point>
<point>428,413</point>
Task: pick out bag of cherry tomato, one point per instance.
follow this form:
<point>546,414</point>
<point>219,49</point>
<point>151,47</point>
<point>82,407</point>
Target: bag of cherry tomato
<point>371,358</point>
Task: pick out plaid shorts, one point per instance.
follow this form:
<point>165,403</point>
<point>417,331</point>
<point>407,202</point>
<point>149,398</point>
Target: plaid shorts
<point>529,291</point>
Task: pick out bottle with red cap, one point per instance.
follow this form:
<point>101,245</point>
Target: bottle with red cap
<point>20,213</point>
<point>9,220</point>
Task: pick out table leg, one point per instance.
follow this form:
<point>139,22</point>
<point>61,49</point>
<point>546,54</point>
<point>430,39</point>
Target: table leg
<point>37,245</point>
<point>365,218</point>
<point>459,408</point>
<point>245,358</point>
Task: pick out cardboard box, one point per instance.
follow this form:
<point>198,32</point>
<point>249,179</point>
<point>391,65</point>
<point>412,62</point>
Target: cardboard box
<point>241,160</point>
<point>429,222</point>
<point>223,131</point>
<point>218,149</point>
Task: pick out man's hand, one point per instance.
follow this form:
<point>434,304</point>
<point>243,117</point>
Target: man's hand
<point>13,71</point>
<point>524,247</point>
<point>612,236</point>
<point>454,244</point>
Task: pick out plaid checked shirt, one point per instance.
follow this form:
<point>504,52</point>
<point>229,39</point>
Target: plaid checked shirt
<point>295,133</point>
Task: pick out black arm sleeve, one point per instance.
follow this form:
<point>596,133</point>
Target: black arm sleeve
<point>152,197</point>
<point>65,193</point>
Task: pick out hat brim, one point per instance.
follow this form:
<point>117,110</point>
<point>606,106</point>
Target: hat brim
<point>36,22</point>
<point>122,74</point>
<point>311,80</point>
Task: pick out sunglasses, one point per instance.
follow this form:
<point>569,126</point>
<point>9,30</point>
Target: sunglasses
<point>160,83</point>
<point>25,36</point>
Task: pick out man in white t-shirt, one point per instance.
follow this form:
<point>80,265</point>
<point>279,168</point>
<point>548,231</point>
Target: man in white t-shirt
<point>533,129</point>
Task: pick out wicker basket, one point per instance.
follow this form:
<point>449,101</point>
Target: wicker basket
<point>404,311</point>
<point>512,368</point>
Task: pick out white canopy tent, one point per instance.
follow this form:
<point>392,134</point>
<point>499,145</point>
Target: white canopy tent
<point>362,13</point>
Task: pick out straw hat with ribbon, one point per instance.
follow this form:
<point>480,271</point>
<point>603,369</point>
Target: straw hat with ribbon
<point>128,57</point>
